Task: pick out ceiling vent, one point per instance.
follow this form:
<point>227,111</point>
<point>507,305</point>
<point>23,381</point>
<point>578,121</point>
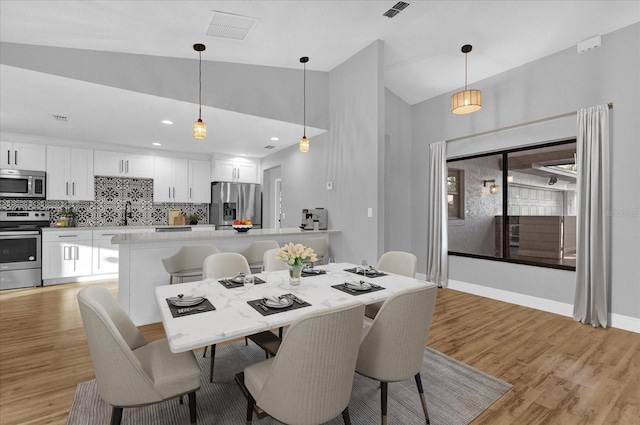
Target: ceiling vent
<point>227,25</point>
<point>397,8</point>
<point>60,118</point>
<point>269,147</point>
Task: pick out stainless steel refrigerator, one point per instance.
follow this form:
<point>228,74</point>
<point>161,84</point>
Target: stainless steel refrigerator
<point>235,201</point>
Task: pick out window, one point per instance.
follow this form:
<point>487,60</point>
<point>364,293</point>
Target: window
<point>517,205</point>
<point>455,194</point>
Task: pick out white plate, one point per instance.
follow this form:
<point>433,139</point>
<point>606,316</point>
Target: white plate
<point>359,287</point>
<point>186,301</point>
<point>272,304</point>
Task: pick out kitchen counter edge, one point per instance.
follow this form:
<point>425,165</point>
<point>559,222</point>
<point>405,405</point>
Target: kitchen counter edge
<point>139,238</point>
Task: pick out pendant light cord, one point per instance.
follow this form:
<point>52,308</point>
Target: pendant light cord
<point>465,71</point>
<point>304,97</point>
<point>200,89</point>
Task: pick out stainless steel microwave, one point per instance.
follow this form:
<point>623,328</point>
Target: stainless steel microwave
<point>22,184</point>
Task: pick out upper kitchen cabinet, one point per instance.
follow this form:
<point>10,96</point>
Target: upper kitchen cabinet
<point>118,164</point>
<point>170,179</point>
<point>70,174</point>
<point>199,182</point>
<point>23,156</point>
<point>228,170</point>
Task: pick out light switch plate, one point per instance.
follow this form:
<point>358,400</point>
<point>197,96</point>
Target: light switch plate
<point>369,212</point>
<point>329,185</point>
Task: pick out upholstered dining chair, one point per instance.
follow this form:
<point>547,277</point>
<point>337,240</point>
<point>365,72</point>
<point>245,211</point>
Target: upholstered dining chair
<point>397,262</point>
<point>129,370</point>
<point>309,380</point>
<point>319,246</point>
<point>270,262</point>
<point>226,264</point>
<point>188,261</point>
<point>392,348</point>
<point>254,253</point>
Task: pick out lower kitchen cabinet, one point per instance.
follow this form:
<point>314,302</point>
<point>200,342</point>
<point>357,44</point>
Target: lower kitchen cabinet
<point>105,254</point>
<point>67,254</point>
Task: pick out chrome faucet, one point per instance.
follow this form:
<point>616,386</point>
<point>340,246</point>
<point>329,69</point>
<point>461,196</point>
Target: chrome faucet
<point>127,213</point>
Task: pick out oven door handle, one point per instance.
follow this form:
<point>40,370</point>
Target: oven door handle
<point>13,233</point>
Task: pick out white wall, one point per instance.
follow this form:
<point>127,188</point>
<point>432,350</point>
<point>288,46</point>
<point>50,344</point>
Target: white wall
<point>553,85</point>
<point>347,156</point>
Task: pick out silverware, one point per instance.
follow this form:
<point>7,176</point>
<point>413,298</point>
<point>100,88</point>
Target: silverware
<point>262,306</point>
<point>348,289</point>
<point>190,309</point>
<point>296,299</point>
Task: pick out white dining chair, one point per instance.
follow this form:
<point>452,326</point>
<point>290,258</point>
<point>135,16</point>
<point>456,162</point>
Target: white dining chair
<point>254,253</point>
<point>309,380</point>
<point>130,371</point>
<point>397,262</point>
<point>271,264</point>
<point>319,246</point>
<point>392,348</point>
<point>228,264</point>
<point>187,261</point>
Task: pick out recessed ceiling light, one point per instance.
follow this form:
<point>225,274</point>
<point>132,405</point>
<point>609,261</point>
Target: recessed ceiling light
<point>168,122</point>
<point>156,144</point>
<point>275,139</point>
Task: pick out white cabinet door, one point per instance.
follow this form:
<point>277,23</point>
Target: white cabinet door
<point>138,166</point>
<point>200,182</point>
<point>170,180</point>
<point>23,156</point>
<point>235,171</point>
<point>105,254</point>
<point>70,174</point>
<point>117,164</point>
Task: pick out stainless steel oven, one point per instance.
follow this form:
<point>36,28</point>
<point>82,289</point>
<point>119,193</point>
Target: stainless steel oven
<point>22,184</point>
<point>21,248</point>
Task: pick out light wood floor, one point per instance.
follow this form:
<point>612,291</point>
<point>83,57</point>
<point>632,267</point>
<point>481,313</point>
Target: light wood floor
<point>563,372</point>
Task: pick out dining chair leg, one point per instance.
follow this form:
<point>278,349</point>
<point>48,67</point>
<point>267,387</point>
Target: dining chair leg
<point>192,407</point>
<point>422,398</point>
<point>181,400</point>
<point>250,403</point>
<point>383,402</point>
<point>345,416</point>
<point>170,279</point>
<point>116,415</point>
<point>213,358</point>
<point>204,353</point>
<point>181,279</point>
<point>246,341</point>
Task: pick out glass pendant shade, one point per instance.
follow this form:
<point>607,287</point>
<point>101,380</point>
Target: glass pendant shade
<point>199,129</point>
<point>494,189</point>
<point>466,101</point>
<point>304,144</point>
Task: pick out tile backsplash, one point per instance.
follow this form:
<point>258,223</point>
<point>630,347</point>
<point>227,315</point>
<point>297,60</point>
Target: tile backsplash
<point>111,195</point>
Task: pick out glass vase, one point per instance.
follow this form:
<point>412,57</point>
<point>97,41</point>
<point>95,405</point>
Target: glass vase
<point>295,271</point>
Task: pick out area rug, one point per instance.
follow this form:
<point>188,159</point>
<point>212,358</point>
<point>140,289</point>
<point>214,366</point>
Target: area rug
<point>456,394</point>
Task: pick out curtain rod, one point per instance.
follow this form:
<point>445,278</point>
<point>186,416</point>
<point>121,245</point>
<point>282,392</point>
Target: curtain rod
<point>509,127</point>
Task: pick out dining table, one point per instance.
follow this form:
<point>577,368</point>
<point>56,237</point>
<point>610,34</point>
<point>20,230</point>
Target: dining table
<point>231,311</point>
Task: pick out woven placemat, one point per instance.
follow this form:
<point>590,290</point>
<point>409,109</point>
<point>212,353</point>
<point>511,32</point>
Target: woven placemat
<point>230,284</point>
<point>204,306</point>
<point>358,271</point>
<point>344,288</point>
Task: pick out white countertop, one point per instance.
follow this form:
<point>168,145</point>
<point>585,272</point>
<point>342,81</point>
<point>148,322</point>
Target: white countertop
<point>129,229</point>
<point>136,238</point>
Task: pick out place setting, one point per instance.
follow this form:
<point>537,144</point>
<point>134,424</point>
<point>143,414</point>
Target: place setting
<point>271,304</point>
<point>240,281</point>
<point>185,306</point>
<point>357,287</point>
<point>308,271</point>
<point>366,270</point>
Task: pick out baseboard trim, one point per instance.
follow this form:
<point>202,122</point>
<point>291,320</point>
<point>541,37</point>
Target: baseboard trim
<point>617,321</point>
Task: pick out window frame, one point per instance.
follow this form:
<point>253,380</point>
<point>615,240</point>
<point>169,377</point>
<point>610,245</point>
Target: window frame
<point>505,205</point>
<point>459,206</point>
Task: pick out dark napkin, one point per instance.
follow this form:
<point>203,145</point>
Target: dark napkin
<point>228,283</point>
<point>266,311</point>
<point>312,272</point>
<point>358,270</point>
<point>343,287</point>
<point>195,309</point>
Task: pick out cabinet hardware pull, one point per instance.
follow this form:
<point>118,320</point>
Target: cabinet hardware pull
<point>127,169</point>
<point>76,255</point>
<point>15,157</point>
<point>190,193</point>
<point>174,192</point>
<point>67,236</point>
<point>120,166</point>
<point>65,252</point>
<point>67,188</point>
<point>8,157</point>
<point>169,192</point>
<point>73,188</point>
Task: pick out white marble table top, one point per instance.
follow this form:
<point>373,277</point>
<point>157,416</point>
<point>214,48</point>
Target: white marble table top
<point>235,318</point>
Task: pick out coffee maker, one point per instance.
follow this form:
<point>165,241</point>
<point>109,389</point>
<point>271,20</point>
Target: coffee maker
<point>314,219</point>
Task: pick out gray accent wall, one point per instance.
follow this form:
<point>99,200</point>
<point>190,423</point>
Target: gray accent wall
<point>553,85</point>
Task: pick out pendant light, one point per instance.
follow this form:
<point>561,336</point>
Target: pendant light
<point>304,142</point>
<point>200,127</point>
<point>466,101</point>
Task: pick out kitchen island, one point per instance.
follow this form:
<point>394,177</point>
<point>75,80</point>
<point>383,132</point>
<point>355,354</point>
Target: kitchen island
<point>141,254</point>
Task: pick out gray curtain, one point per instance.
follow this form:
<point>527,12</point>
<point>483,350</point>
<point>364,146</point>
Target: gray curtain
<point>593,242</point>
<point>437,215</point>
